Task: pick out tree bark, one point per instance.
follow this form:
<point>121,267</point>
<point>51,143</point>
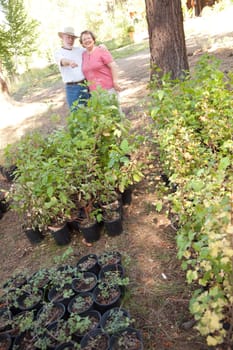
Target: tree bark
<point>3,85</point>
<point>166,38</point>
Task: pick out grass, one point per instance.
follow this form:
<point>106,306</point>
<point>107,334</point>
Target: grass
<point>35,78</point>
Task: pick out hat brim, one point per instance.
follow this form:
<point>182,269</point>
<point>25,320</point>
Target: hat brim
<point>71,34</point>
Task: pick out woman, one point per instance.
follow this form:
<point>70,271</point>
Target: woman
<point>98,65</point>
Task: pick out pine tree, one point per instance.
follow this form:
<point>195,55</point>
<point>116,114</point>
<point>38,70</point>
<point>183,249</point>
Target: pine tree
<point>18,35</point>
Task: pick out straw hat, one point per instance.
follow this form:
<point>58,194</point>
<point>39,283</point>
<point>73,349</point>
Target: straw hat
<point>69,31</point>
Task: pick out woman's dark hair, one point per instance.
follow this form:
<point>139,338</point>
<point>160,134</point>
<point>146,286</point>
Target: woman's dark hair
<point>87,32</point>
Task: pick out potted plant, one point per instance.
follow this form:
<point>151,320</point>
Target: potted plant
<point>84,282</point>
<point>81,303</point>
<point>129,338</point>
<point>93,318</point>
<point>49,313</point>
<point>109,258</point>
<point>131,31</point>
<point>115,320</point>
<point>88,263</point>
<point>5,341</point>
<point>106,296</point>
<point>95,339</point>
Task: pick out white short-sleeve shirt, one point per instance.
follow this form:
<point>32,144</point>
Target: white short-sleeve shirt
<point>70,74</point>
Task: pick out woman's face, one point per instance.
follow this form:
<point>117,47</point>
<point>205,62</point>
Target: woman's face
<point>87,41</point>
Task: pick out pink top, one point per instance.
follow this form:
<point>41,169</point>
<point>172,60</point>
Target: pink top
<point>95,69</point>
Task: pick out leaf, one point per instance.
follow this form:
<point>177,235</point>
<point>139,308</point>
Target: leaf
<point>124,146</point>
<point>197,185</point>
<point>160,94</point>
<point>159,206</point>
<point>191,276</point>
<point>224,163</point>
<point>50,191</point>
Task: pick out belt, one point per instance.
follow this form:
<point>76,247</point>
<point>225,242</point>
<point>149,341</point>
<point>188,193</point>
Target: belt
<point>76,82</point>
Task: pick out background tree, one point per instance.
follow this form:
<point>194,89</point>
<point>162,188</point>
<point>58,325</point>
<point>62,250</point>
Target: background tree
<point>166,37</point>
<point>18,35</point>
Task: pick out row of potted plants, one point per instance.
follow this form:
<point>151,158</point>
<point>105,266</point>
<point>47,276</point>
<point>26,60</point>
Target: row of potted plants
<point>83,166</point>
<point>68,307</point>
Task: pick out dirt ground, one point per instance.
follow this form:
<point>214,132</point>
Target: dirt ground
<point>157,296</point>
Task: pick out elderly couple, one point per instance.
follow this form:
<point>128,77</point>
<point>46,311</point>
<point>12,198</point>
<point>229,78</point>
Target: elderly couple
<point>90,63</point>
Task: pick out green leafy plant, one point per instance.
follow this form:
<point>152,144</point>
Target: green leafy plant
<point>193,127</point>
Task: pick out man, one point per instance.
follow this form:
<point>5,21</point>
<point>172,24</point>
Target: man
<point>69,60</point>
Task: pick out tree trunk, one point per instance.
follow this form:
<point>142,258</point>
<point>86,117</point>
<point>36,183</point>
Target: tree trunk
<point>3,85</point>
<point>166,38</point>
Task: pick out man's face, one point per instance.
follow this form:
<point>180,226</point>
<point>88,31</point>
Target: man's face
<point>68,41</point>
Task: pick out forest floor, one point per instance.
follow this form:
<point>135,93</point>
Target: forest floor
<point>158,296</point>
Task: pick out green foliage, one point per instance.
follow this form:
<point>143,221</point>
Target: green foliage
<point>193,125</point>
<point>18,35</point>
<point>75,167</point>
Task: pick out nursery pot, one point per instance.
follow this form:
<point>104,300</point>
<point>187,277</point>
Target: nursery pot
<point>107,298</point>
<point>109,272</point>
<point>90,232</point>
<point>96,339</point>
<point>113,227</point>
<point>61,235</point>
<point>55,294</point>
<point>109,258</point>
<point>66,346</point>
<point>81,303</point>
<point>5,319</point>
<point>115,320</point>
<point>50,315</point>
<point>126,196</point>
<point>128,338</point>
<point>24,340</point>
<point>30,301</point>
<point>84,283</point>
<point>88,263</point>
<point>94,317</point>
<point>34,235</point>
<point>5,341</point>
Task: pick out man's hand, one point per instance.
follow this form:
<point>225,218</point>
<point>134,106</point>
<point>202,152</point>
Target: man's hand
<point>70,63</point>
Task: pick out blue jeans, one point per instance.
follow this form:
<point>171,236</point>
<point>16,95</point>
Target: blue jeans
<point>78,93</point>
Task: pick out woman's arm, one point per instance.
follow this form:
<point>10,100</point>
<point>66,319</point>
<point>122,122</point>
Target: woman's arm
<point>113,66</point>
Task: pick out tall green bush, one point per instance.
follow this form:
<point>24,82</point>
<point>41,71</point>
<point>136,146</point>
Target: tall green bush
<point>193,126</point>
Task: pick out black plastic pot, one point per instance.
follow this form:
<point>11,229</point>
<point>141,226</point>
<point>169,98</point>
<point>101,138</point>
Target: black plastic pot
<point>107,299</point>
<point>129,338</point>
<point>88,263</point>
<point>24,341</point>
<point>50,315</point>
<point>85,283</point>
<point>92,232</point>
<point>5,341</point>
<point>126,196</point>
<point>115,320</point>
<point>109,258</point>
<point>95,317</point>
<point>81,303</point>
<point>34,235</point>
<point>5,319</point>
<point>61,235</point>
<point>16,281</point>
<point>96,339</point>
<point>25,298</point>
<point>111,271</point>
<point>55,294</point>
<point>113,227</point>
<point>110,274</point>
<point>66,346</point>
<point>74,225</point>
